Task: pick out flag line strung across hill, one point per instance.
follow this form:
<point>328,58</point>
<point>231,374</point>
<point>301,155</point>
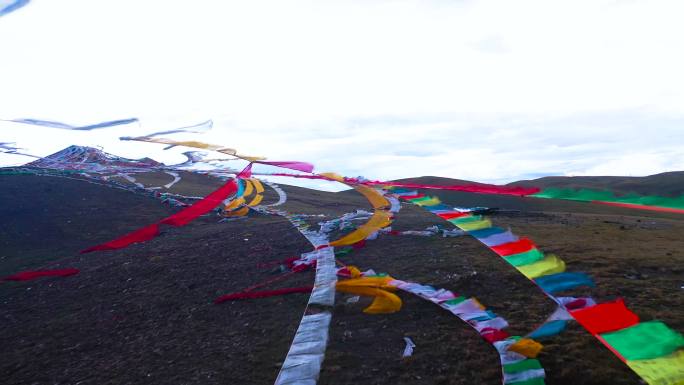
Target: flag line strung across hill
<point>612,323</point>
<point>632,201</point>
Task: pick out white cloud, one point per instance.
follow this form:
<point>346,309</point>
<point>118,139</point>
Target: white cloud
<point>490,91</point>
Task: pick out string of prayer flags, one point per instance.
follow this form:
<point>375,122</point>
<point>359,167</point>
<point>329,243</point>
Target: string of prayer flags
<point>612,323</point>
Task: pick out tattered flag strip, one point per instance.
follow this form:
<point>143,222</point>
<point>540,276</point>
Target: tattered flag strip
<point>408,350</point>
<point>8,148</point>
<point>7,6</point>
<point>197,128</point>
<point>262,294</point>
<point>64,126</point>
<point>608,197</point>
<point>180,218</point>
<point>605,317</point>
<point>33,274</point>
<point>194,144</point>
<point>305,357</point>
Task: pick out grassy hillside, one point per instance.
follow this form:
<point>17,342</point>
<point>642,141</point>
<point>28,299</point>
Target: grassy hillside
<point>144,314</point>
<point>669,184</point>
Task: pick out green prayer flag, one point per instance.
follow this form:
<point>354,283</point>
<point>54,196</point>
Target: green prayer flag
<point>588,195</point>
<point>531,381</point>
<point>521,366</point>
<point>525,258</point>
<point>455,301</point>
<point>471,218</point>
<point>645,340</point>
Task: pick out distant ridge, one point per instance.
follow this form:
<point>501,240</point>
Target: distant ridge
<point>664,184</point>
<point>670,184</point>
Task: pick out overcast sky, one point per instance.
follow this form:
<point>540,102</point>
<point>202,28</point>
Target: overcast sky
<point>492,91</point>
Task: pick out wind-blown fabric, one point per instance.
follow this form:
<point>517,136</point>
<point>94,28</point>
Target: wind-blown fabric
<point>8,148</point>
<point>180,218</point>
<point>256,200</point>
<point>563,281</point>
<point>64,126</point>
<point>642,207</point>
<point>548,329</point>
<point>551,264</point>
<point>378,287</point>
<point>376,199</point>
<point>665,370</point>
<point>650,202</point>
<point>644,341</point>
<point>499,238</point>
<point>140,235</point>
<point>606,317</point>
<point>520,246</point>
<point>524,258</point>
<point>201,127</point>
<point>379,220</point>
<point>262,294</point>
<point>33,274</point>
<point>194,144</point>
<point>7,6</point>
<point>202,207</point>
<point>293,165</point>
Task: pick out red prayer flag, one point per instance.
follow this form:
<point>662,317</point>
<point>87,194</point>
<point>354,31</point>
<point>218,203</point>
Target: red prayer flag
<point>140,235</point>
<point>180,218</point>
<point>33,274</point>
<point>520,246</point>
<point>605,317</point>
<point>409,197</point>
<point>262,294</point>
<point>453,215</point>
<point>201,207</point>
<point>492,335</point>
